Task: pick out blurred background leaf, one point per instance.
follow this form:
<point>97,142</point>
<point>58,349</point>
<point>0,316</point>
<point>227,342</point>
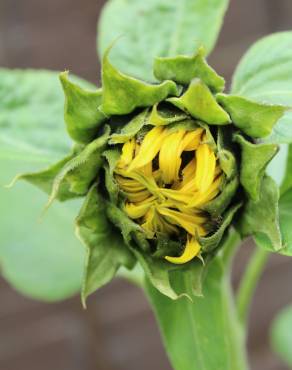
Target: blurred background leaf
<point>281,335</point>
<point>41,259</point>
<point>157,28</point>
<point>265,74</point>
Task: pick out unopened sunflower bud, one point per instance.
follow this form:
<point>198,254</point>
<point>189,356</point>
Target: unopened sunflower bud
<point>163,168</point>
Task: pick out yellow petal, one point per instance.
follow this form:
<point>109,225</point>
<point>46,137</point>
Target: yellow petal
<point>202,198</point>
<point>192,140</point>
<point>138,196</point>
<point>177,195</point>
<point>127,153</point>
<point>138,210</point>
<point>170,156</point>
<point>206,164</point>
<point>191,223</point>
<point>154,223</point>
<point>129,185</point>
<point>192,249</point>
<point>149,148</point>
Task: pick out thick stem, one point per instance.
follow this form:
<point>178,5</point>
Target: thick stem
<point>205,333</point>
<point>249,282</point>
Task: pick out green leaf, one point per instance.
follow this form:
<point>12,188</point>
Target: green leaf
<point>262,216</point>
<point>254,160</point>
<point>206,107</point>
<point>43,260</point>
<point>31,115</point>
<point>82,115</point>
<point>265,75</point>
<point>203,334</point>
<point>253,118</point>
<point>157,28</point>
<point>122,93</point>
<point>285,217</point>
<point>182,69</point>
<point>281,335</point>
<point>106,251</point>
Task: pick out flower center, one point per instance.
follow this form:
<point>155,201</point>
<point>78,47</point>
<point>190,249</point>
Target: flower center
<point>167,178</point>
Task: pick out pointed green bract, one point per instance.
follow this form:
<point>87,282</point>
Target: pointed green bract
<point>112,156</point>
<point>122,94</point>
<point>183,69</point>
<point>163,117</point>
<point>218,205</point>
<point>132,233</point>
<point>130,129</point>
<point>262,216</point>
<point>199,102</point>
<point>157,271</point>
<point>106,251</point>
<point>254,119</point>
<point>82,115</point>
<point>79,173</point>
<point>44,179</point>
<point>285,217</point>
<point>210,243</point>
<point>254,160</point>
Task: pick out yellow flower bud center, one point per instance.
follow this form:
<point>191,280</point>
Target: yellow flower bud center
<point>167,178</point>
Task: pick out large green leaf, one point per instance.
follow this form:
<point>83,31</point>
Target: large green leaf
<point>205,333</point>
<point>41,259</point>
<point>265,75</point>
<point>157,28</point>
<point>31,115</point>
<point>281,335</point>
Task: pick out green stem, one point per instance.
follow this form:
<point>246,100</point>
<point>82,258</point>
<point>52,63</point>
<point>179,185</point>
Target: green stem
<point>231,244</point>
<point>249,282</point>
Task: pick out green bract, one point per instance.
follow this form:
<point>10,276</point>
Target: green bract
<point>188,96</point>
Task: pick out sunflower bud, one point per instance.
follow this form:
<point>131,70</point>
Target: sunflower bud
<point>167,177</point>
<point>163,169</point>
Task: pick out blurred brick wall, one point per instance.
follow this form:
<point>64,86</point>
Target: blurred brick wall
<point>118,331</point>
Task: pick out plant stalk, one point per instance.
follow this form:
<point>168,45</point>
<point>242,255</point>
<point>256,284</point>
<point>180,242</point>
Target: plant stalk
<point>249,283</point>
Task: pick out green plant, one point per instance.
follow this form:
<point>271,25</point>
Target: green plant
<point>170,174</point>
